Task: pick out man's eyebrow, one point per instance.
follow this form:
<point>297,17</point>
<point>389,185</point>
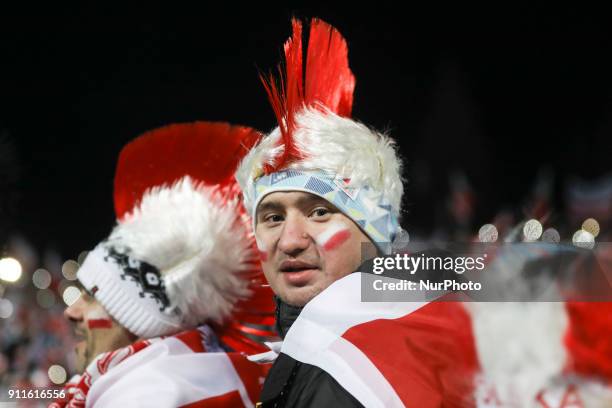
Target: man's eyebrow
<point>301,202</point>
<point>269,206</point>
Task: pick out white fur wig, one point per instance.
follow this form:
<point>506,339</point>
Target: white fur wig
<point>187,233</point>
<point>333,144</point>
<point>520,346</point>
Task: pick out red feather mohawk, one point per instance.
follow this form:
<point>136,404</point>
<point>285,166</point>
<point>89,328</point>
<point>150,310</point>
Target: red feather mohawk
<point>207,152</point>
<point>329,83</point>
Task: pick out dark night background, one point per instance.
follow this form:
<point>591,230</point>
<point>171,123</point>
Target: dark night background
<point>498,94</point>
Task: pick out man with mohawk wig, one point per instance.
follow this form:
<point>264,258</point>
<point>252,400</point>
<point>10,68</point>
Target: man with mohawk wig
<point>174,298</point>
<point>319,188</point>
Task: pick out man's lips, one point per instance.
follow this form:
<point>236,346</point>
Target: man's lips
<point>295,266</point>
<point>297,273</point>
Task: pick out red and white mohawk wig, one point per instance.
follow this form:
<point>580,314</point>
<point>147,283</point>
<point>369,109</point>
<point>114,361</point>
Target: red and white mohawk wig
<point>329,85</point>
<point>183,251</point>
<point>316,142</point>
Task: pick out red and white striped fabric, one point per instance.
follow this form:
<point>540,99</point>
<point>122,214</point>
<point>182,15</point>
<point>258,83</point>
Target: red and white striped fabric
<point>387,354</point>
<point>453,354</point>
<point>185,370</point>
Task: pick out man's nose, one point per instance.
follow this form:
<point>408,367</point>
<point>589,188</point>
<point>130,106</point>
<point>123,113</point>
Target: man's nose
<point>294,237</point>
<point>74,312</point>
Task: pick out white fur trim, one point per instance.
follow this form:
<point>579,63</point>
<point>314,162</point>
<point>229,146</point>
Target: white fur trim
<point>334,144</point>
<point>520,346</point>
<point>200,246</point>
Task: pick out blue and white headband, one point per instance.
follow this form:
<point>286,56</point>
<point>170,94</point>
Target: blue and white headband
<point>366,207</point>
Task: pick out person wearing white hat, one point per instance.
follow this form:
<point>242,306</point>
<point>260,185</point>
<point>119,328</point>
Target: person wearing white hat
<point>321,187</point>
<point>318,187</point>
<point>169,296</point>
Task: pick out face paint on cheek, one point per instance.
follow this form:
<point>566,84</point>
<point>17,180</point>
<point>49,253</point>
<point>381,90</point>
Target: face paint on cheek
<point>263,253</point>
<point>99,323</point>
<point>334,236</point>
<point>98,319</point>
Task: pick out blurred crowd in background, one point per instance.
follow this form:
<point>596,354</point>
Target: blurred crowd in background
<point>36,341</point>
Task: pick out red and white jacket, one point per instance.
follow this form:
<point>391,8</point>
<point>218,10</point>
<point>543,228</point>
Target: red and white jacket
<point>188,369</point>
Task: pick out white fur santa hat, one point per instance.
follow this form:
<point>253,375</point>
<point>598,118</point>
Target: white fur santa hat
<point>183,251</point>
<point>553,349</point>
<point>317,147</point>
<point>544,353</point>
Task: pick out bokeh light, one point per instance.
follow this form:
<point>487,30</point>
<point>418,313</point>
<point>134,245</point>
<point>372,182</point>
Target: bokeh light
<point>583,239</point>
<point>592,226</point>
<point>551,235</point>
<point>45,298</point>
<point>69,269</point>
<point>532,231</point>
<point>6,308</point>
<point>41,278</point>
<point>57,374</point>
<point>10,269</point>
<point>61,287</point>
<point>70,295</point>
<point>488,233</point>
<point>39,378</point>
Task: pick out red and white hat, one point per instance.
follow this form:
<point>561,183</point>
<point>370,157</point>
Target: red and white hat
<point>183,252</point>
<point>545,353</point>
<point>317,147</point>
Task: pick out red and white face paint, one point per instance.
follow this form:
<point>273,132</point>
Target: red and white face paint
<point>97,318</point>
<point>334,235</point>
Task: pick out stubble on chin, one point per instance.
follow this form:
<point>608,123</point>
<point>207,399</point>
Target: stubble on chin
<point>88,351</point>
<point>300,296</point>
<point>82,359</point>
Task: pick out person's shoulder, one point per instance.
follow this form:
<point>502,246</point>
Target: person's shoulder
<point>317,388</point>
<point>164,373</point>
<point>294,384</point>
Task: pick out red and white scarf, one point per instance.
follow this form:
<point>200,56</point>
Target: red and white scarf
<point>185,370</point>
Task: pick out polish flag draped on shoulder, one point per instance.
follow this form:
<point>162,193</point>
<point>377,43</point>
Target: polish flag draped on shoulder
<point>449,353</point>
<point>387,354</point>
